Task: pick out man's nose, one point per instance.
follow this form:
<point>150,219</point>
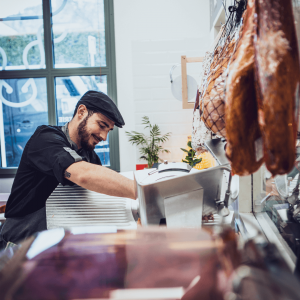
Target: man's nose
<point>103,136</point>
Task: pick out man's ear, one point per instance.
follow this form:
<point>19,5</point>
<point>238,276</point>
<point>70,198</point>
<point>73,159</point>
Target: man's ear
<point>81,111</point>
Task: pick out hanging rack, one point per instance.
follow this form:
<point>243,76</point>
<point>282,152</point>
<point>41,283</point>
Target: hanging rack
<point>236,12</point>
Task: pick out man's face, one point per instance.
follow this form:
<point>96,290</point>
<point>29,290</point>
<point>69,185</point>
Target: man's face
<point>94,129</point>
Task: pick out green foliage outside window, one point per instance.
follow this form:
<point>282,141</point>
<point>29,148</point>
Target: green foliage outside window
<point>64,51</point>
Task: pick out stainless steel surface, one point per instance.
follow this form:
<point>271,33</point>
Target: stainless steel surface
<point>153,190</point>
<point>181,166</point>
<point>249,228</point>
<point>223,203</point>
<point>75,206</point>
<point>217,148</point>
<point>273,236</point>
<point>135,209</point>
<point>184,210</point>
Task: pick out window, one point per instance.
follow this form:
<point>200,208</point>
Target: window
<point>51,53</point>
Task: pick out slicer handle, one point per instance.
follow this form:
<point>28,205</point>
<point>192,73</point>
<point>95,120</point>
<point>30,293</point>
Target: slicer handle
<point>224,211</point>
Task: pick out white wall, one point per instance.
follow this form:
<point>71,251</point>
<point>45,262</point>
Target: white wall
<point>150,38</point>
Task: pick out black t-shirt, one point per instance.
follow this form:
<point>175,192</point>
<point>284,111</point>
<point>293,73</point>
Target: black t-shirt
<point>46,156</point>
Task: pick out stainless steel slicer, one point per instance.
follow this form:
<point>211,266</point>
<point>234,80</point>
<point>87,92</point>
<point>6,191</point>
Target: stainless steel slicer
<point>181,195</point>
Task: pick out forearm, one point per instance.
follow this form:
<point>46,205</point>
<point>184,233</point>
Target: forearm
<point>101,180</point>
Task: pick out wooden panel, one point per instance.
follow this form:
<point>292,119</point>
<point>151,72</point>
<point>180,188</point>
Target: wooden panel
<point>194,59</point>
<point>184,80</point>
<point>188,105</point>
<point>184,61</point>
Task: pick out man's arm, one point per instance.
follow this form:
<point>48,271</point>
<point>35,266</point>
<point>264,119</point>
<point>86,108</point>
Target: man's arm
<point>101,180</point>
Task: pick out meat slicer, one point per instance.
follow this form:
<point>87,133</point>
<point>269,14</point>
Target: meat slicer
<point>180,195</point>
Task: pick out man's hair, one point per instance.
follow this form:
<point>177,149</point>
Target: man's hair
<point>90,112</point>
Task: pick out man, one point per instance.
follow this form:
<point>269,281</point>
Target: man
<point>63,155</point>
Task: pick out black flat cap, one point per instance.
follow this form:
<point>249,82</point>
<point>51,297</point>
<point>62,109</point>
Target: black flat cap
<point>100,102</point>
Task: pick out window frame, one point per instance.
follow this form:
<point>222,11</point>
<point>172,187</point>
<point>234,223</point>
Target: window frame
<point>50,73</point>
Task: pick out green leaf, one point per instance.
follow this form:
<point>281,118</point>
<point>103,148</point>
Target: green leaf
<point>191,152</point>
<point>184,150</point>
<point>185,161</point>
<point>136,138</point>
<point>146,121</point>
<point>189,144</point>
<point>198,160</point>
<point>143,157</point>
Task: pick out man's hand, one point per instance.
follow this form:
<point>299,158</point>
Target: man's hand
<point>101,180</point>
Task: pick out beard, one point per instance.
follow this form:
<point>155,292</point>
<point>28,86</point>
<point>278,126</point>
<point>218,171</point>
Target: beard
<point>84,135</point>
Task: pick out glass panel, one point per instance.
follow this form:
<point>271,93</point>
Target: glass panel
<point>23,107</point>
<point>68,91</point>
<point>279,199</point>
<point>281,202</point>
<point>79,33</point>
<point>21,35</point>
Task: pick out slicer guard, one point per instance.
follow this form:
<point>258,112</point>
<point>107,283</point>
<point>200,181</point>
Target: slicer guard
<point>180,198</point>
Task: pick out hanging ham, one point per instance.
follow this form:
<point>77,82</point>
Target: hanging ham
<point>244,143</point>
<point>277,74</point>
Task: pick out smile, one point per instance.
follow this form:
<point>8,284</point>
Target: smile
<point>96,138</point>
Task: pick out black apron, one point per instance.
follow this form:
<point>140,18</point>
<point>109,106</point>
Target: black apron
<point>16,229</point>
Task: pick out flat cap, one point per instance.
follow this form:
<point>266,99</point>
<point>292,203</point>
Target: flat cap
<point>100,102</point>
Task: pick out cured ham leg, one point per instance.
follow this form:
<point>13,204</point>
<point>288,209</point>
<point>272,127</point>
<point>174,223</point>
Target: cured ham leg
<point>277,74</point>
<point>212,105</point>
<point>244,143</point>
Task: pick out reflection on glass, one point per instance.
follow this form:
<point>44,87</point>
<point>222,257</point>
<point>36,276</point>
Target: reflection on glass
<point>79,33</point>
<point>93,229</point>
<point>23,107</point>
<point>45,240</point>
<point>68,91</point>
<point>281,203</point>
<point>21,35</point>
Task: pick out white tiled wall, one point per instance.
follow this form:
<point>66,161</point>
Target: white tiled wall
<point>151,36</point>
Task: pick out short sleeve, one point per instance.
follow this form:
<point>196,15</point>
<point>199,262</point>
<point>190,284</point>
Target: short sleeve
<point>98,161</point>
<point>49,152</point>
<point>95,159</point>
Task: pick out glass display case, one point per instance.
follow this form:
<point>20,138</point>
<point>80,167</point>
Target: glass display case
<point>276,200</point>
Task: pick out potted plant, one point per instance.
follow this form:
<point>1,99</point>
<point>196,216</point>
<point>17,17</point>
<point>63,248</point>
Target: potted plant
<point>191,158</point>
<point>150,146</point>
